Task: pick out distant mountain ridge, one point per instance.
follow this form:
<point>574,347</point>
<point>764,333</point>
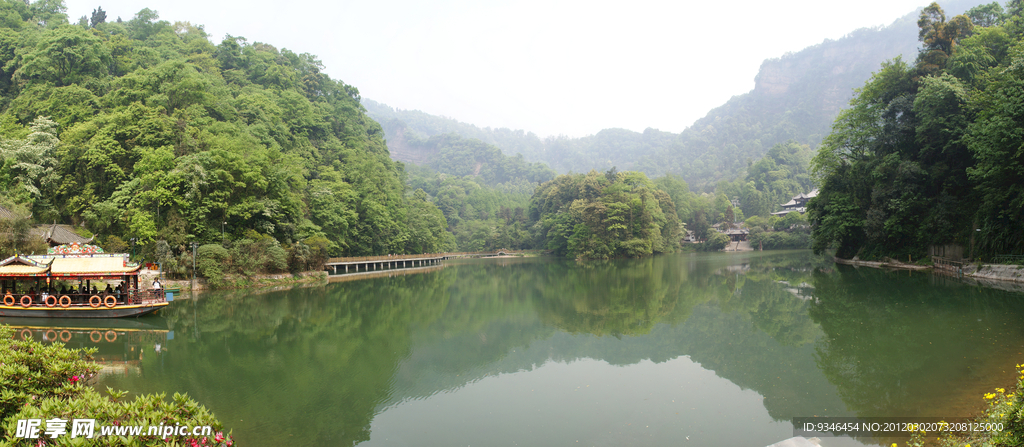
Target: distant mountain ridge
<point>796,97</point>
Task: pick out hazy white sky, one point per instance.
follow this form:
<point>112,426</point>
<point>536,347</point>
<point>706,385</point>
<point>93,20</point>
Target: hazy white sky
<point>546,66</point>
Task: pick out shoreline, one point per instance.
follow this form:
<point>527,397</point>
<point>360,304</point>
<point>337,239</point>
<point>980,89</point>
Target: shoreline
<point>233,282</point>
<point>989,275</point>
<point>889,263</point>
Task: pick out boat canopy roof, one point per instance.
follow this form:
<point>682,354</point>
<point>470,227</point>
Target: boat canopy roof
<point>71,262</point>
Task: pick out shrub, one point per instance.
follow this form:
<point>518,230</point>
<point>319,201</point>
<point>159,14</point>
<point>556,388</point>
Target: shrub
<point>716,241</point>
<point>276,259</point>
<point>779,240</point>
<point>30,370</point>
<point>319,247</point>
<point>210,262</point>
<point>41,381</point>
<point>299,256</point>
<point>245,256</point>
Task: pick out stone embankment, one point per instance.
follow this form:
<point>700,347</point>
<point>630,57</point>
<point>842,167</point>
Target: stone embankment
<point>997,276</point>
<point>887,263</point>
<point>1002,272</point>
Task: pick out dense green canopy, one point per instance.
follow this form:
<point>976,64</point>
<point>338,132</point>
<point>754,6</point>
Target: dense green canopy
<point>929,154</point>
<point>153,133</point>
<point>606,215</point>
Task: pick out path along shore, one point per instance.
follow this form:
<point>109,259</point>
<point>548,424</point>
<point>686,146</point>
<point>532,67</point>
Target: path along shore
<point>1000,276</point>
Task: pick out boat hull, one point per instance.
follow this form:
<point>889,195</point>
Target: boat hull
<point>134,310</point>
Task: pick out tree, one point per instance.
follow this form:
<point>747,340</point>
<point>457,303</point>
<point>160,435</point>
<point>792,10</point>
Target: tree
<point>995,140</point>
<point>940,38</point>
<point>65,55</point>
<point>991,14</point>
<point>98,16</point>
<point>27,167</point>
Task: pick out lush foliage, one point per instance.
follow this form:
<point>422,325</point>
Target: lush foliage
<point>772,180</point>
<point>606,215</point>
<point>928,154</point>
<point>15,231</point>
<point>481,193</point>
<point>479,216</point>
<point>46,381</point>
<point>156,134</point>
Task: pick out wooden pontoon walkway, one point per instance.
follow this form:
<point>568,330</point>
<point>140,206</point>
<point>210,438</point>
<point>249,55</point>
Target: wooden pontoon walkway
<point>368,263</point>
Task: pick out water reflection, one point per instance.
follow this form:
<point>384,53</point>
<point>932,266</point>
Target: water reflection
<point>121,345</point>
<point>488,349</point>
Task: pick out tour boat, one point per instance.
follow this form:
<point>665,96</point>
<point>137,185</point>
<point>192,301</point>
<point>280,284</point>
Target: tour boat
<point>60,284</point>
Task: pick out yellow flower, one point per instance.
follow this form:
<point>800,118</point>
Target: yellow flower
<point>1001,390</point>
<point>989,395</point>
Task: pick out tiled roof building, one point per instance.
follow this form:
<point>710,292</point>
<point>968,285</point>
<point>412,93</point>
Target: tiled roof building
<point>54,234</point>
<point>798,204</point>
<point>57,234</point>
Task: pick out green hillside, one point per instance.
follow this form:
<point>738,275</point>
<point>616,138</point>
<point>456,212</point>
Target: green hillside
<point>144,130</point>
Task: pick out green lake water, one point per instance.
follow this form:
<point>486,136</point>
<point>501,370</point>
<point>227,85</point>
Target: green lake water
<point>714,349</point>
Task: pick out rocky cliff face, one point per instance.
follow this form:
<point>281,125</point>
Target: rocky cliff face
<point>795,97</point>
<point>828,73</point>
<point>401,150</point>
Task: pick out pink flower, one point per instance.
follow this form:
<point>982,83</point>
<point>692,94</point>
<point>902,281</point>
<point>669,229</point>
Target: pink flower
<point>219,437</point>
<point>74,379</point>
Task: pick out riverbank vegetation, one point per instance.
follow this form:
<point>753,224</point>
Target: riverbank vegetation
<point>928,152</point>
<point>49,381</point>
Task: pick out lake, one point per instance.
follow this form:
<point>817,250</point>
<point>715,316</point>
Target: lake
<point>714,349</point>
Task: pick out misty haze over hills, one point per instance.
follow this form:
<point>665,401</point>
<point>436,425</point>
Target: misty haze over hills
<point>796,97</point>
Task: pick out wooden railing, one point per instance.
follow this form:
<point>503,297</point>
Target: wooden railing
<point>948,265</point>
<point>384,258</point>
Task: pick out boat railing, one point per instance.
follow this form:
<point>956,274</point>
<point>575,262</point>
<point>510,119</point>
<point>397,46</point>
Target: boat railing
<point>77,299</point>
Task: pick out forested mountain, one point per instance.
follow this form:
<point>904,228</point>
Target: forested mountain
<point>144,130</point>
<point>929,153</point>
<point>455,155</point>
<point>795,97</point>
